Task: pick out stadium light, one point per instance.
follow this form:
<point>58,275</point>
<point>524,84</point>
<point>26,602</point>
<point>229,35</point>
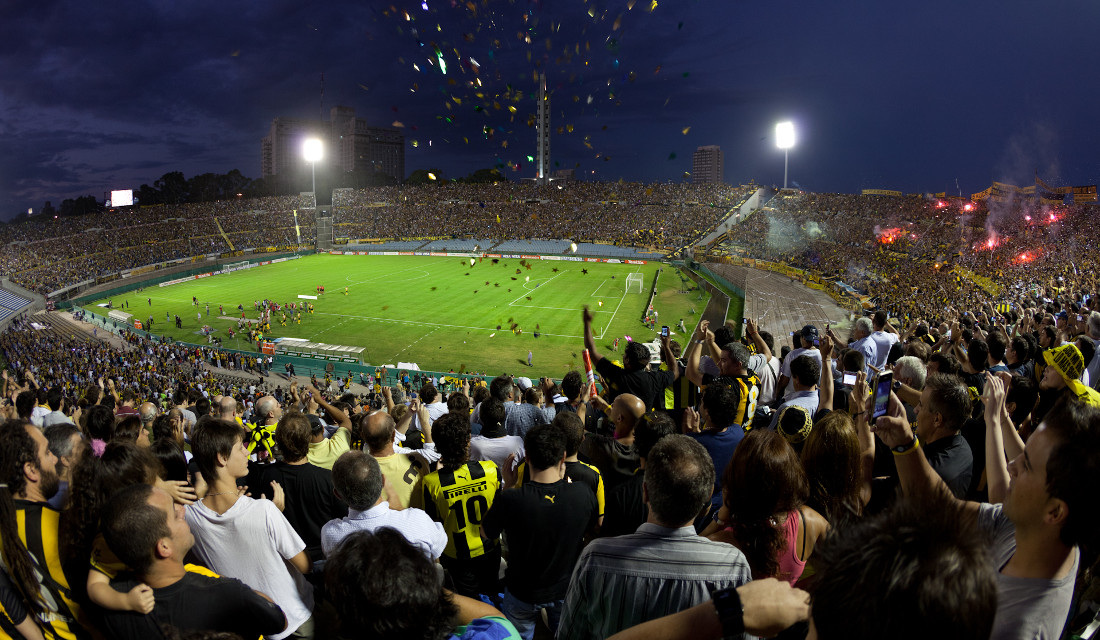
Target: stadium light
<point>312,151</point>
<point>784,139</point>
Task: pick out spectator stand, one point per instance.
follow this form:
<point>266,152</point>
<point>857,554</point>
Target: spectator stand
<point>15,300</point>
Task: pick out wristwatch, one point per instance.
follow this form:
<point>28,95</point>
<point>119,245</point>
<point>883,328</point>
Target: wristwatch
<point>731,613</point>
<point>906,448</point>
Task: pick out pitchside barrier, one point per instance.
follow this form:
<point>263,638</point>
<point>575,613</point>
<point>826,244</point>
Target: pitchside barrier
<point>304,364</point>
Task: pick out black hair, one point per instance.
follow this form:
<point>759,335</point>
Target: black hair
<point>1073,468</point>
<point>99,423</point>
<point>571,385</point>
<point>451,433</point>
<point>649,430</point>
<point>545,446</point>
<point>949,398</point>
<point>172,461</point>
<point>940,582</point>
<point>357,479</point>
<point>635,356</point>
<point>17,449</point>
<point>384,588</point>
<point>210,439</point>
<point>573,429</point>
<point>997,343</point>
<point>806,369</point>
<point>132,527</point>
<point>679,479</point>
<point>492,416</point>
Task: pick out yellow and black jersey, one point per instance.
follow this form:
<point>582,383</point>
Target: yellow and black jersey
<point>38,523</point>
<point>460,498</point>
<point>748,390</point>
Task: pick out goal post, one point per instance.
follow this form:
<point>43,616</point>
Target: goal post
<point>632,280</point>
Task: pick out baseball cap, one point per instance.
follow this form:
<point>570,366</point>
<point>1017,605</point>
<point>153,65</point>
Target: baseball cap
<point>1067,359</point>
<point>794,424</point>
<point>809,332</point>
<point>524,383</point>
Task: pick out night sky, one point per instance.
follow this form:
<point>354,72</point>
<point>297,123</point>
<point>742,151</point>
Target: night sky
<point>97,96</point>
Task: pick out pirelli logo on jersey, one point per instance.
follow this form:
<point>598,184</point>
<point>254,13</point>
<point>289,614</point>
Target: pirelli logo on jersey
<point>458,492</point>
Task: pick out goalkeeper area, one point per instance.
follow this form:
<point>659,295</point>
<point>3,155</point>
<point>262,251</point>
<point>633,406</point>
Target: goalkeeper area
<point>440,312</point>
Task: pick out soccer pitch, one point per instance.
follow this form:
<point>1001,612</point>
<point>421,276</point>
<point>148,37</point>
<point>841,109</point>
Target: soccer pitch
<point>440,313</point>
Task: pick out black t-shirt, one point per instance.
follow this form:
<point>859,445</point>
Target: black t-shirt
<point>649,386</point>
<point>617,462</point>
<point>953,460</point>
<point>625,510</point>
<point>310,501</point>
<point>196,602</point>
<point>545,525</point>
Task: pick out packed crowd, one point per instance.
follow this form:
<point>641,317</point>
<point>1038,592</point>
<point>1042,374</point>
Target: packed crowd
<point>48,254</point>
<point>45,255</point>
<point>662,216</point>
<point>917,256</point>
<point>913,480</point>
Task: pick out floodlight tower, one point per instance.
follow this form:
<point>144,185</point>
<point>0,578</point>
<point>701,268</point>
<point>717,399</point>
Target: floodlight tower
<point>543,131</point>
<point>784,139</point>
<point>312,151</point>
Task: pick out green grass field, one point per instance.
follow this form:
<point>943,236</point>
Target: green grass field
<point>440,313</point>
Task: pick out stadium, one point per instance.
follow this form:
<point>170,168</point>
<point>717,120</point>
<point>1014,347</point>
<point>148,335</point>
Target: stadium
<point>509,330</point>
<point>267,293</point>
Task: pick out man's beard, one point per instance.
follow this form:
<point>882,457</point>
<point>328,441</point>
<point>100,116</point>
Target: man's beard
<point>49,484</point>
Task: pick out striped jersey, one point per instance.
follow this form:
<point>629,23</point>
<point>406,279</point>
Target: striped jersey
<point>748,390</point>
<point>38,523</point>
<point>460,498</point>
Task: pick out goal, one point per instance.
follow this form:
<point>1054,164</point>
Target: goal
<point>634,279</point>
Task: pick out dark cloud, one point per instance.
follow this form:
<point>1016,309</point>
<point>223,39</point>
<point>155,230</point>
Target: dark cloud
<point>105,95</point>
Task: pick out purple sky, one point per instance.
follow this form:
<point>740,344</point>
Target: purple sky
<point>98,96</point>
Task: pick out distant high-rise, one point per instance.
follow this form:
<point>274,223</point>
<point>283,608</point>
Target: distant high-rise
<point>707,165</point>
<point>350,144</point>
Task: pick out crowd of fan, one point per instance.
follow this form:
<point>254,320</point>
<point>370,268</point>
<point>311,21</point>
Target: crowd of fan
<point>48,254</point>
<point>927,482</point>
<point>918,256</point>
<point>45,255</point>
<point>664,216</point>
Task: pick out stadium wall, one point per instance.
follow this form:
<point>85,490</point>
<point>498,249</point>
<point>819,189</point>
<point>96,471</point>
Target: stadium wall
<point>129,284</point>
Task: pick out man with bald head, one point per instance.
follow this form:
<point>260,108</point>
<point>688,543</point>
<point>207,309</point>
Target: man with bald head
<point>148,413</point>
<point>403,471</point>
<point>614,455</point>
<point>227,408</point>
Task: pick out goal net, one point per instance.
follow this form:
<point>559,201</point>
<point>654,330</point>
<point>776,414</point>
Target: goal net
<point>634,281</point>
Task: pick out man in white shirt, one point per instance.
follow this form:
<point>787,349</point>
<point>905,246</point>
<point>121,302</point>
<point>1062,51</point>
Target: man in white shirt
<point>863,343</point>
<point>884,336</point>
<point>494,443</point>
<point>359,482</point>
<point>807,339</point>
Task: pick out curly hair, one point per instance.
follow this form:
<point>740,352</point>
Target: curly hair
<point>451,433</point>
<point>385,588</point>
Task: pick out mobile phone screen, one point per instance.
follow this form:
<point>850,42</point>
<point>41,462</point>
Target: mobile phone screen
<point>849,378</point>
<point>883,382</point>
<point>664,331</point>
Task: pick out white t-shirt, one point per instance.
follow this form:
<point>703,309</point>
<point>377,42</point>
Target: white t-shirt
<point>249,542</point>
<point>883,342</point>
<point>786,368</point>
<point>497,449</point>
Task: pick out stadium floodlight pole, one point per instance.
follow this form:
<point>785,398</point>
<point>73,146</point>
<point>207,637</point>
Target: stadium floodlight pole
<point>784,139</point>
<point>312,151</point>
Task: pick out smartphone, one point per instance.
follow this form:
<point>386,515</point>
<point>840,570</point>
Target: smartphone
<point>1080,318</point>
<point>664,331</point>
<point>882,385</point>
<point>817,343</point>
<point>849,378</point>
<point>744,320</point>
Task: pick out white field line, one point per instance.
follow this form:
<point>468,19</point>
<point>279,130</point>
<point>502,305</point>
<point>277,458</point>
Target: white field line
<point>604,332</point>
<point>524,295</point>
<point>437,324</point>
